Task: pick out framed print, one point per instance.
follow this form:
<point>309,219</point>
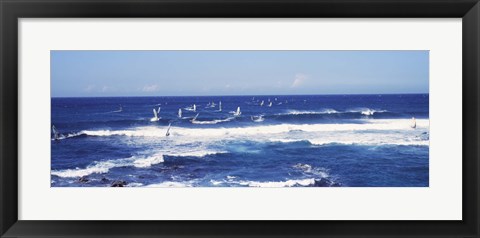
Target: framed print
<point>278,118</point>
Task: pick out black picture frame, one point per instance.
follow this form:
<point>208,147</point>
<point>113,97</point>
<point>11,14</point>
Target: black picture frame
<point>12,10</point>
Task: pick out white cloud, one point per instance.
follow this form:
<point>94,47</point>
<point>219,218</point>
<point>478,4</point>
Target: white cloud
<point>299,80</point>
<point>150,88</point>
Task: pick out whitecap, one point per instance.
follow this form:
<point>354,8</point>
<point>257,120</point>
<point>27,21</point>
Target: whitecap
<point>169,185</point>
<point>272,184</point>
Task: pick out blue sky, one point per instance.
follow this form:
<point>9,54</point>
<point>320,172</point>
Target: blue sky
<point>184,73</point>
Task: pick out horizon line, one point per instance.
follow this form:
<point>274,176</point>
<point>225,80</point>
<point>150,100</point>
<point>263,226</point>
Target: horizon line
<point>246,95</point>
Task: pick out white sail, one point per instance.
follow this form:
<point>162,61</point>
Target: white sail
<point>155,115</point>
<point>220,106</point>
<point>168,129</point>
<point>195,118</point>
<point>56,135</point>
<point>191,108</point>
<point>179,113</point>
<point>414,123</point>
<point>238,112</point>
<point>270,105</point>
<point>261,104</point>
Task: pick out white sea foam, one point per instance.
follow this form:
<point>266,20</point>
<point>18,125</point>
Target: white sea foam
<point>351,139</point>
<point>288,183</point>
<point>66,136</point>
<point>364,131</point>
<point>258,118</point>
<point>134,185</point>
<point>169,185</point>
<point>362,125</point>
<point>297,112</point>
<point>198,142</point>
<point>198,153</point>
<point>398,124</point>
<point>213,121</point>
<point>97,168</point>
<point>305,167</point>
<point>371,140</point>
<point>366,111</point>
<point>308,169</point>
<point>215,182</point>
<point>148,161</point>
<point>102,167</point>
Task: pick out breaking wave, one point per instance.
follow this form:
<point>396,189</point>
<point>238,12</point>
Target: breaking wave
<point>213,121</point>
<point>362,125</point>
<point>102,167</point>
<point>297,112</point>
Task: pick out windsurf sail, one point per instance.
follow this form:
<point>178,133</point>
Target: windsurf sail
<point>195,118</point>
<point>414,123</point>
<point>155,115</point>
<point>56,135</point>
<point>179,113</point>
<point>194,107</point>
<point>238,112</point>
<point>220,106</point>
<point>270,105</point>
<point>261,104</point>
<point>168,129</point>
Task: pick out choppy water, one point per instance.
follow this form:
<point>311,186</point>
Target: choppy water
<point>329,140</point>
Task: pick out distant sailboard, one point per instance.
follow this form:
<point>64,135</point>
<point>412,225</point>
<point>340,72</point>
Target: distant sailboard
<point>179,113</point>
<point>120,109</point>
<point>168,129</point>
<point>195,118</point>
<point>193,108</point>
<point>238,112</point>
<point>56,135</point>
<point>155,115</point>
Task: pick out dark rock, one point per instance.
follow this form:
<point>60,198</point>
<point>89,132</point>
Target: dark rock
<point>118,183</point>
<point>104,180</point>
<point>83,179</point>
<point>323,182</point>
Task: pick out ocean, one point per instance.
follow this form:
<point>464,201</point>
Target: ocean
<point>289,141</point>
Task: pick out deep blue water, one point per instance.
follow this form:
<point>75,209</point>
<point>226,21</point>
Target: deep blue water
<point>314,140</point>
